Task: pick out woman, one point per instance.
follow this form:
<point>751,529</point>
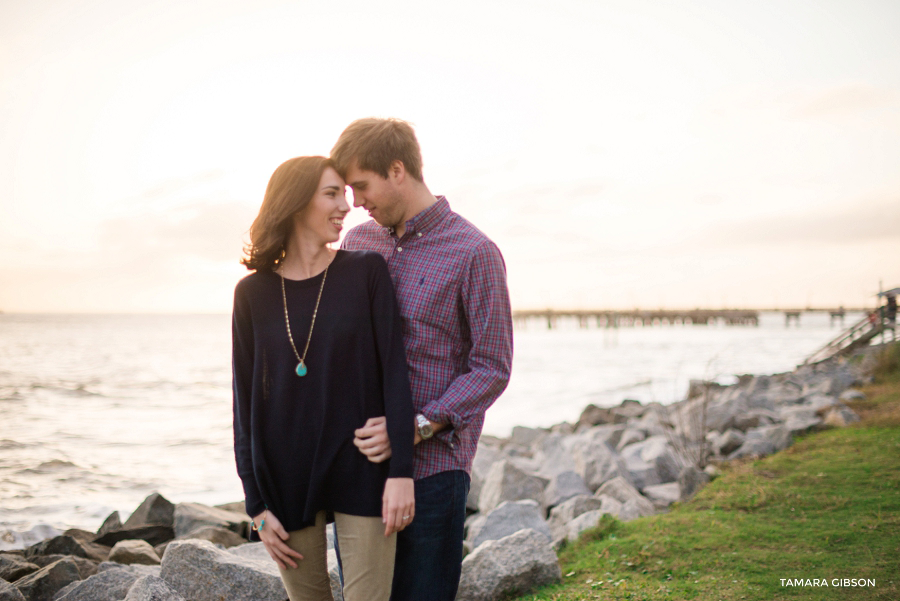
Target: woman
<point>317,350</point>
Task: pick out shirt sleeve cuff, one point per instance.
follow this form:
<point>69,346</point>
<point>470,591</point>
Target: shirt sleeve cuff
<point>455,424</point>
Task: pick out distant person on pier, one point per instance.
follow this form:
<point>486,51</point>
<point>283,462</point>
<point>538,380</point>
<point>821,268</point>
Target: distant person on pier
<point>891,310</point>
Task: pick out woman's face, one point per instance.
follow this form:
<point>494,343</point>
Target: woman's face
<point>323,217</point>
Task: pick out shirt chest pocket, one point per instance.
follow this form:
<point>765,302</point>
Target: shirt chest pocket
<point>431,300</point>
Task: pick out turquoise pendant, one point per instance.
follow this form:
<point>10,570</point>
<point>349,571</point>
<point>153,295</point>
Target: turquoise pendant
<point>301,369</point>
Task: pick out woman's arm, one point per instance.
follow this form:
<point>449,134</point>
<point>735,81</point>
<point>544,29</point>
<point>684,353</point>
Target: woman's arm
<point>398,407</point>
<point>242,388</point>
<point>398,501</point>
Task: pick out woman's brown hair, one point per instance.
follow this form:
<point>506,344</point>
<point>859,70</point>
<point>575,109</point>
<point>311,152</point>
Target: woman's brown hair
<point>290,189</point>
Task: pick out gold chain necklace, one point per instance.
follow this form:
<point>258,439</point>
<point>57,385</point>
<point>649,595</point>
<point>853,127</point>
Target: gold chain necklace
<point>301,367</point>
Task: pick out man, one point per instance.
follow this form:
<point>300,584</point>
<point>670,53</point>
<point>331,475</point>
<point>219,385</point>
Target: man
<point>450,281</point>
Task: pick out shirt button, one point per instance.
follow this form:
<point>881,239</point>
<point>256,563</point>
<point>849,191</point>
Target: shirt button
<point>399,249</point>
<point>419,234</point>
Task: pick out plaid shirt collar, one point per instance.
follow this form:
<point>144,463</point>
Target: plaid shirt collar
<point>426,219</point>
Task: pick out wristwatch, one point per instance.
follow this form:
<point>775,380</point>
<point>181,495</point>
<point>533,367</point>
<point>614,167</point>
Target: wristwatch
<point>424,427</point>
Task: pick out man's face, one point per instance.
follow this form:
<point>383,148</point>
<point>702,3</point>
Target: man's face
<point>377,195</point>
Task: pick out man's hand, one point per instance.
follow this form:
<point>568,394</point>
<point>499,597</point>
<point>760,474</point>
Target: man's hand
<point>273,536</point>
<point>372,440</point>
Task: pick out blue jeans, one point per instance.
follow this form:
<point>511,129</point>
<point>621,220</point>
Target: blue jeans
<point>429,551</point>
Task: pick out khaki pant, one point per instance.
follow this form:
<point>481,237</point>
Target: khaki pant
<point>367,558</point>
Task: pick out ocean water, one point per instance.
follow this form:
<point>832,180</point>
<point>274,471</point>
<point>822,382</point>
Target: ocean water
<point>98,411</point>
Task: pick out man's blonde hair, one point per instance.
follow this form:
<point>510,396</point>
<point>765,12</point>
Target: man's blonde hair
<point>376,143</point>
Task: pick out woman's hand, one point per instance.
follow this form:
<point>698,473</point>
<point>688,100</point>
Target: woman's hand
<point>273,536</point>
<point>398,505</point>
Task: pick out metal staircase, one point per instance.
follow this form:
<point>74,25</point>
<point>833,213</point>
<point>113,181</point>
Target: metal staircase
<point>855,337</point>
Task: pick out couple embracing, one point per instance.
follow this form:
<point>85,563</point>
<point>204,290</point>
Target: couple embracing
<point>362,375</point>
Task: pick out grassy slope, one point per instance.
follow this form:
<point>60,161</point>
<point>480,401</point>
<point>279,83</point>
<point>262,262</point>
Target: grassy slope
<point>827,507</point>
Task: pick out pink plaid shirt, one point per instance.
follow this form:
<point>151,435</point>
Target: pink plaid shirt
<point>450,281</point>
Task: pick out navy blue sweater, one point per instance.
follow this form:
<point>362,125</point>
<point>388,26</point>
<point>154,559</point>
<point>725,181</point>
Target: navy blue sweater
<point>293,436</point>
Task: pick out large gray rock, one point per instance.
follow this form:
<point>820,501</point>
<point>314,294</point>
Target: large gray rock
<point>690,480</point>
<point>554,454</point>
<point>610,505</point>
<point>852,395</point>
<point>754,418</point>
<point>567,511</point>
<point>631,510</point>
<point>508,518</point>
<point>654,421</point>
<point>820,401</point>
<point>109,585</point>
<point>754,447</point>
<point>217,535</point>
<point>485,456</point>
<point>86,567</point>
<point>155,510</point>
<point>46,582</point>
<point>583,522</point>
<point>135,568</point>
<point>572,508</point>
<point>200,571</point>
<point>596,462</point>
<point>652,461</point>
<point>628,409</point>
<point>728,442</point>
<point>663,495</point>
<point>778,435</point>
<point>692,422</point>
<point>334,575</point>
<point>506,482</point>
<point>822,384</point>
<point>134,551</point>
<point>13,567</point>
<point>526,437</point>
<point>630,436</point>
<point>153,534</point>
<point>235,506</point>
<point>66,544</point>
<point>508,567</point>
<point>190,516</point>
<point>610,434</point>
<point>152,588</point>
<point>593,416</point>
<point>8,592</point>
<point>622,491</point>
<point>562,487</point>
<point>257,552</point>
<point>112,523</point>
<point>800,419</point>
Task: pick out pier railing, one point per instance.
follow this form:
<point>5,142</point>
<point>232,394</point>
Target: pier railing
<point>857,336</point>
<point>640,317</point>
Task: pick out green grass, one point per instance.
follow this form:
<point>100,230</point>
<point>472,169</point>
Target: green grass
<point>828,507</point>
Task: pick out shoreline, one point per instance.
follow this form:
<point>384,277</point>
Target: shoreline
<point>532,495</point>
<point>591,415</point>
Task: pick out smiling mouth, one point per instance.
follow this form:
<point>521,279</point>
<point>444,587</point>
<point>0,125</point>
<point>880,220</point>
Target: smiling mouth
<point>337,222</point>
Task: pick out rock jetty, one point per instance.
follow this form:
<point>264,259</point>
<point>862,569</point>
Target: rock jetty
<point>530,494</point>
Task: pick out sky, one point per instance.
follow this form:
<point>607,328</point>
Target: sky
<point>620,153</point>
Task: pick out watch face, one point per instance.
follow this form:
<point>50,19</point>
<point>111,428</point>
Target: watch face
<point>425,429</point>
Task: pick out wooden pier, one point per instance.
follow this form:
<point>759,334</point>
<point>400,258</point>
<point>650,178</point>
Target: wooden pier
<point>614,318</point>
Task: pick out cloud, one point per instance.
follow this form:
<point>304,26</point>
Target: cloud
<point>211,231</point>
<point>862,223</point>
<point>845,101</point>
